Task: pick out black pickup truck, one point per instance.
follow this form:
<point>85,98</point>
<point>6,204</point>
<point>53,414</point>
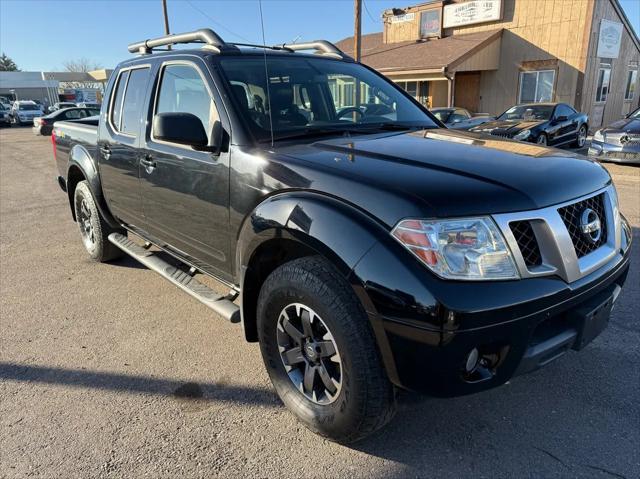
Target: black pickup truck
<point>364,246</point>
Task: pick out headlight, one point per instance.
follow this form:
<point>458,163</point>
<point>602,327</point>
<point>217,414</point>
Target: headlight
<point>598,136</point>
<point>523,135</point>
<point>467,249</point>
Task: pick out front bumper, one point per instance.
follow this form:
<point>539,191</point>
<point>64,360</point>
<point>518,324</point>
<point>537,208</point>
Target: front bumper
<point>615,153</point>
<point>427,327</point>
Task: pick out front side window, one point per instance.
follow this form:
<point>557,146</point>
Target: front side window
<point>182,90</point>
<point>305,95</point>
<point>564,110</point>
<point>604,79</point>
<point>536,86</point>
<point>630,89</point>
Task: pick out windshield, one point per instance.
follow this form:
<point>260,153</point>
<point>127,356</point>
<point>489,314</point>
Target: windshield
<point>528,112</point>
<point>312,95</point>
<point>28,107</point>
<point>442,115</point>
<point>635,115</point>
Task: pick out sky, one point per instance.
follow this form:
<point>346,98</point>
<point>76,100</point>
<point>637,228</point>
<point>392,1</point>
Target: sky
<point>40,35</point>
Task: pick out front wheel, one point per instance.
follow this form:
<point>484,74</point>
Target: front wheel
<point>542,139</point>
<point>320,351</point>
<point>93,229</point>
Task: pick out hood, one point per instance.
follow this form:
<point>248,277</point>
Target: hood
<point>442,173</point>
<point>626,125</point>
<point>508,126</point>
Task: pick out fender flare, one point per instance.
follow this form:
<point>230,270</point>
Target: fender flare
<point>81,159</point>
<point>340,232</point>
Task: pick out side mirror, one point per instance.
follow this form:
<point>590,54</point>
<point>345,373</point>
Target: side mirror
<point>181,128</point>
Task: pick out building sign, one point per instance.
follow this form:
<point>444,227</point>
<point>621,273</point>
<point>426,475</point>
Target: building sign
<point>476,11</point>
<point>407,17</point>
<point>430,23</point>
<point>609,39</point>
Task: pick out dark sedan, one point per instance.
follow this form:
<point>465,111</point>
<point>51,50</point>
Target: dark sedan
<point>619,142</point>
<point>554,124</point>
<point>44,125</point>
<point>460,118</point>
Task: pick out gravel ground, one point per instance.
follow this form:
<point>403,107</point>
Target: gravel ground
<point>106,370</point>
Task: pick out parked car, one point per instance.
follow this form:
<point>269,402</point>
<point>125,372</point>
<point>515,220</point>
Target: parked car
<point>24,111</point>
<point>6,102</point>
<point>619,142</point>
<point>460,118</point>
<point>86,104</point>
<point>5,118</point>
<point>61,105</point>
<point>367,253</point>
<point>44,125</point>
<point>554,124</point>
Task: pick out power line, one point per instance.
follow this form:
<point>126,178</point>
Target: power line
<point>215,22</point>
<point>366,9</point>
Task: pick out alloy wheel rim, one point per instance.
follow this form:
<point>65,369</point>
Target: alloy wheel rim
<point>309,354</point>
<point>542,140</point>
<point>582,137</point>
<point>86,227</point>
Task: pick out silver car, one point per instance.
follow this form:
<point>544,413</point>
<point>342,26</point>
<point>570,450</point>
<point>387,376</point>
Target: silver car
<point>618,142</point>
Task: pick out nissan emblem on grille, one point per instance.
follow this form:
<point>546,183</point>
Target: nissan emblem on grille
<point>590,225</point>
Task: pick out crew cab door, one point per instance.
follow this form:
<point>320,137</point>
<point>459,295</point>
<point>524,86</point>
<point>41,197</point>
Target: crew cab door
<point>118,144</point>
<point>185,193</point>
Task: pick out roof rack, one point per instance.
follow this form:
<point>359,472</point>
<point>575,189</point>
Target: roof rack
<point>321,47</point>
<point>212,41</point>
<point>208,37</point>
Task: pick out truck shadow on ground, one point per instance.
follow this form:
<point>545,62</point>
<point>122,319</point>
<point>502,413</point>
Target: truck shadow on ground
<point>183,391</point>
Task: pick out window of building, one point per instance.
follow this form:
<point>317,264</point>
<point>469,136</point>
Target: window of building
<point>182,90</point>
<point>604,79</point>
<point>536,86</point>
<point>630,89</point>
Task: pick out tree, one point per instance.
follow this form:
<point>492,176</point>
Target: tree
<point>81,65</point>
<point>7,64</point>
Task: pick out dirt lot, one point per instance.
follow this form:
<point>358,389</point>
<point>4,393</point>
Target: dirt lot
<point>106,370</point>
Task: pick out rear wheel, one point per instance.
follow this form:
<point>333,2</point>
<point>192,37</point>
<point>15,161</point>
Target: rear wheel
<point>581,139</point>
<point>320,352</point>
<point>93,229</point>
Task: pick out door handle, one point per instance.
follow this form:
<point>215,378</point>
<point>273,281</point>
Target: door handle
<point>106,152</point>
<point>148,163</point>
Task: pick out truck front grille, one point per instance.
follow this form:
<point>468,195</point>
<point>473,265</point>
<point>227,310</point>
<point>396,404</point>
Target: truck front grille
<point>527,242</point>
<point>571,215</point>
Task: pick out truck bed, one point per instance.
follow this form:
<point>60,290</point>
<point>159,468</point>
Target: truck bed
<point>69,134</point>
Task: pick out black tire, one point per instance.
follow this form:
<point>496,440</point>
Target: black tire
<point>365,400</point>
<point>93,229</point>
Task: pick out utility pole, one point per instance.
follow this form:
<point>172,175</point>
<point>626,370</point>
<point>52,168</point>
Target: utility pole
<point>166,19</point>
<point>357,26</point>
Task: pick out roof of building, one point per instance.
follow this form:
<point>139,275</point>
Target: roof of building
<point>418,55</point>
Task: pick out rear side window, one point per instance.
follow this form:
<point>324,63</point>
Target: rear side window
<point>116,106</point>
<point>134,100</point>
<point>182,90</point>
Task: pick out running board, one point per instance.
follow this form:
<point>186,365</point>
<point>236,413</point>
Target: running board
<point>183,280</point>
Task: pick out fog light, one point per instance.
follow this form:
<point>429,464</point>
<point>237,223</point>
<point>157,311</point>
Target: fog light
<point>472,361</point>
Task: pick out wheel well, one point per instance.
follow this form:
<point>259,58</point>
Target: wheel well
<point>74,176</point>
<point>266,258</point>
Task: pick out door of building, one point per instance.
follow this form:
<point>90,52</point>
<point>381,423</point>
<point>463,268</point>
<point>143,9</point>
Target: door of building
<point>467,91</point>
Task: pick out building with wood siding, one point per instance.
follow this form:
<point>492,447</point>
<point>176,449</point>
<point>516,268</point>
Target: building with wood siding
<point>487,55</point>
